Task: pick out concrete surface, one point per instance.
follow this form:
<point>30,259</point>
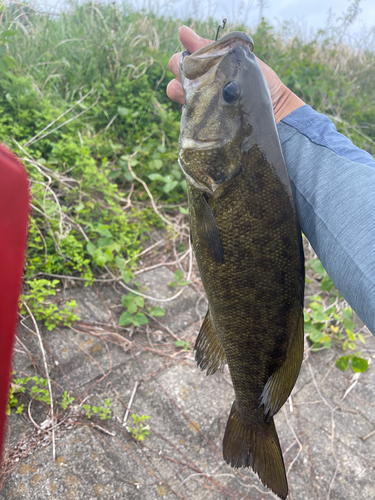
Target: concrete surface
<point>320,428</point>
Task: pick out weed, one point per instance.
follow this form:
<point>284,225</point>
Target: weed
<point>184,344</point>
<point>328,324</point>
<point>104,412</point>
<point>178,279</point>
<point>40,291</point>
<point>37,391</point>
<point>133,314</point>
<point>140,430</point>
<point>66,400</point>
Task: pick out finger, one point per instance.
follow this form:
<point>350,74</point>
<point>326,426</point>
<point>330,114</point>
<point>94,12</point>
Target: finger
<point>191,41</point>
<point>174,91</point>
<point>174,63</point>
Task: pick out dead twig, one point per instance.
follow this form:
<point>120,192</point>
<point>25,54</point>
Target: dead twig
<point>37,333</point>
<point>124,420</point>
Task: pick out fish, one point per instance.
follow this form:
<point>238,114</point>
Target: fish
<point>247,243</point>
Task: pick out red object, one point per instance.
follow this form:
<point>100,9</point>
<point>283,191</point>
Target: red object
<point>14,210</point>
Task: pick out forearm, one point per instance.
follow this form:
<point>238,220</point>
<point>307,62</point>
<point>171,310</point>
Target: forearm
<point>334,188</point>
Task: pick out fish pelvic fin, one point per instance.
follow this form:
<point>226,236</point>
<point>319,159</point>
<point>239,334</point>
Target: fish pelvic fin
<point>281,382</point>
<point>256,445</point>
<point>209,354</point>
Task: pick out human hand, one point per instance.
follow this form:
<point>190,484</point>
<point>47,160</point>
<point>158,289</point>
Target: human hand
<point>283,99</point>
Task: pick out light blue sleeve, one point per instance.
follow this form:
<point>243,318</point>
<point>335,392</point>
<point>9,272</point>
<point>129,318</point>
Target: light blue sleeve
<point>333,182</point>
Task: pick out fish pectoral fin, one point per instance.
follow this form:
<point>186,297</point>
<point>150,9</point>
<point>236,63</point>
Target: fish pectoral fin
<point>207,230</point>
<point>281,382</point>
<point>209,354</point>
<point>255,445</point>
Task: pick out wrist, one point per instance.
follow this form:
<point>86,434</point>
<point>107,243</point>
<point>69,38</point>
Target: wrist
<point>285,103</point>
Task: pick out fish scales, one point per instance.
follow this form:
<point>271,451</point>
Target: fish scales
<point>247,243</point>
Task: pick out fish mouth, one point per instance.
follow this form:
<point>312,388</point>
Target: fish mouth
<point>194,65</point>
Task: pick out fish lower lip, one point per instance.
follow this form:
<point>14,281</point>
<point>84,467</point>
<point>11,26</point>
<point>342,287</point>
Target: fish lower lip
<point>191,142</point>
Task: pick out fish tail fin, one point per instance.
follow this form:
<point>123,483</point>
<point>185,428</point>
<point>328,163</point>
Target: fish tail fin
<point>256,445</point>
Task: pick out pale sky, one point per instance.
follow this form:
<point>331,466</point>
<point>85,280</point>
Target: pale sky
<point>306,14</point>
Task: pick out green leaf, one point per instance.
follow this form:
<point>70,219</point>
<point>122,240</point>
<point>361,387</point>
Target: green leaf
<point>347,313</point>
<point>359,365</point>
<point>316,306</point>
<point>350,335</point>
<point>327,283</point>
<point>156,311</point>
<point>183,210</point>
<point>185,344</point>
<point>105,232</point>
<point>170,186</point>
<point>315,336</point>
<point>330,310</point>
<point>7,33</point>
<point>132,308</point>
<point>154,177</point>
<point>91,248</point>
<point>360,336</point>
<point>139,301</point>
<point>125,319</point>
<point>128,300</point>
<point>342,363</point>
<point>308,327</point>
<point>178,275</point>
<point>157,164</point>
<point>123,111</point>
<point>127,276</point>
<point>182,247</point>
<point>319,316</point>
<point>348,325</point>
<point>120,262</point>
<point>105,242</point>
<point>19,409</point>
<point>140,318</point>
<point>9,61</point>
<point>318,267</point>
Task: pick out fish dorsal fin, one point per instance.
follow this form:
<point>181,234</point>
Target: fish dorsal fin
<point>207,229</point>
<point>281,382</point>
<point>209,354</point>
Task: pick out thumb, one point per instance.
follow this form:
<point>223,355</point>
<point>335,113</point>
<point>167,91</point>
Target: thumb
<point>191,41</point>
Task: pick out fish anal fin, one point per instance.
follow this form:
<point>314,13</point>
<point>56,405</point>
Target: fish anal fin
<point>281,382</point>
<point>256,445</point>
<point>209,354</point>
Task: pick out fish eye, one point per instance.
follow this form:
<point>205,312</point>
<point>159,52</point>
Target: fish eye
<point>231,92</point>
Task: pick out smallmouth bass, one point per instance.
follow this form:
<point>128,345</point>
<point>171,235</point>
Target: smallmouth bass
<point>247,242</point>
